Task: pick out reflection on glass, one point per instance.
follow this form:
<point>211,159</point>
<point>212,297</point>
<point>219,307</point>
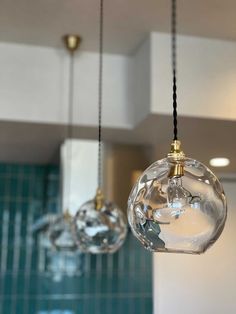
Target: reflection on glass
<point>58,252</point>
<point>100,231</point>
<point>60,233</point>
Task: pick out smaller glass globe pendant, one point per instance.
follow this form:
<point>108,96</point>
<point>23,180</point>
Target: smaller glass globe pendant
<point>61,235</point>
<point>100,226</point>
<point>60,231</point>
<point>177,205</point>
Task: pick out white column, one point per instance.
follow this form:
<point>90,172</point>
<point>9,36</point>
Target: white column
<point>79,173</point>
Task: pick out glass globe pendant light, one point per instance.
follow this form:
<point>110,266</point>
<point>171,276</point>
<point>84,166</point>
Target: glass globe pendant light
<point>60,232</point>
<point>177,205</point>
<point>99,225</point>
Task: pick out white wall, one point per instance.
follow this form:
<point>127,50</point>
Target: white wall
<point>34,82</point>
<point>141,79</point>
<point>34,86</point>
<point>117,101</point>
<point>204,284</point>
<point>206,75</point>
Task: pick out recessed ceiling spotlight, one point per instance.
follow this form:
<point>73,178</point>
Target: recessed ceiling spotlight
<point>219,162</point>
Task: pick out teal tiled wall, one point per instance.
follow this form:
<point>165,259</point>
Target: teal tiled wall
<point>117,283</point>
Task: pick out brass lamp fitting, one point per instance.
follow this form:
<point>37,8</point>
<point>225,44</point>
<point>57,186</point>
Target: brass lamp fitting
<point>99,199</point>
<point>175,151</point>
<point>72,42</point>
<point>177,156</point>
<point>67,215</point>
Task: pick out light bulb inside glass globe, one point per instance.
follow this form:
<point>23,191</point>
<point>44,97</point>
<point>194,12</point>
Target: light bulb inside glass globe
<point>61,235</point>
<point>99,226</point>
<point>177,205</point>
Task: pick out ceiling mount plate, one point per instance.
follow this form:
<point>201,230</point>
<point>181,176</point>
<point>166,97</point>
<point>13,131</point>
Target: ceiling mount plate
<point>72,42</point>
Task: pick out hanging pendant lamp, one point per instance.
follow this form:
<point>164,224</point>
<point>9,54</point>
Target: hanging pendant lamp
<point>100,226</point>
<point>177,205</point>
<point>60,231</point>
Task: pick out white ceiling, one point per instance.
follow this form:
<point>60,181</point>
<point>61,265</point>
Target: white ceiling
<point>127,22</point>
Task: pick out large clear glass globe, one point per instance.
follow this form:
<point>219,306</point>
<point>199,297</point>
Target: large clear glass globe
<point>100,230</point>
<point>183,214</point>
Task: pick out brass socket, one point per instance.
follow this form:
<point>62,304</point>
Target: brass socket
<point>176,155</point>
<point>67,215</point>
<point>99,199</point>
<point>175,151</point>
<point>176,170</point>
<point>72,42</point>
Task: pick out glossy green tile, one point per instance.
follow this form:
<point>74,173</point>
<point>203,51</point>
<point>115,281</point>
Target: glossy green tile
<point>119,283</point>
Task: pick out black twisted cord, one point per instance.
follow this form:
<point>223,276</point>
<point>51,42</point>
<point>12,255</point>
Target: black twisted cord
<point>100,94</point>
<point>173,49</point>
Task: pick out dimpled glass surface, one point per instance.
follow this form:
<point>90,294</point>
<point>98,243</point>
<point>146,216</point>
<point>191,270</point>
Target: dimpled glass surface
<point>185,215</point>
<point>100,231</point>
<point>61,235</point>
